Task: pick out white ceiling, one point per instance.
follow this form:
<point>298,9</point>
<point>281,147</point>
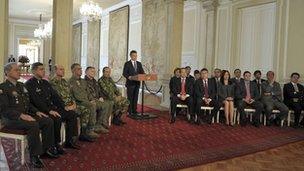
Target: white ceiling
<point>31,9</point>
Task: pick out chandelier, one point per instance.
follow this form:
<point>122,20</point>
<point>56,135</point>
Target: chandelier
<point>44,31</point>
<point>91,11</point>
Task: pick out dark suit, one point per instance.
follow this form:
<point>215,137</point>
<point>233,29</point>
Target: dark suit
<point>217,84</point>
<point>241,94</point>
<point>294,100</point>
<point>176,90</point>
<point>274,100</point>
<point>225,91</point>
<point>259,83</point>
<point>200,95</point>
<point>45,99</point>
<point>132,86</point>
<point>14,100</point>
<point>172,80</point>
<point>236,81</point>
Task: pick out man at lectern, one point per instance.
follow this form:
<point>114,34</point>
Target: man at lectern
<point>132,68</point>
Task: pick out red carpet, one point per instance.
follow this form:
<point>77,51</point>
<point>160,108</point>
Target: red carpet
<point>158,145</point>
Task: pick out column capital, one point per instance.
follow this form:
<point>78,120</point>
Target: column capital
<point>180,2</point>
<point>209,5</point>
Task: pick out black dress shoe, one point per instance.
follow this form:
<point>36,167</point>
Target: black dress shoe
<point>122,122</point>
<point>72,145</point>
<point>86,138</point>
<point>36,162</point>
<point>60,150</point>
<point>256,124</point>
<point>51,153</point>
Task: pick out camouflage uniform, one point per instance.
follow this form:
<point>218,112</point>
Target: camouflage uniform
<point>110,92</point>
<point>78,89</point>
<point>104,108</point>
<point>63,89</point>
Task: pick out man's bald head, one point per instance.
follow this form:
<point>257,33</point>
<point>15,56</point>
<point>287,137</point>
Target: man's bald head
<point>59,70</point>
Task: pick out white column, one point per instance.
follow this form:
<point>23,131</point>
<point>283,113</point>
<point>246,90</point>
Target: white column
<point>3,35</point>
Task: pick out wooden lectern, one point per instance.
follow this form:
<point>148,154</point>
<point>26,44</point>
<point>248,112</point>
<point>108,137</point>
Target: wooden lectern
<point>142,78</point>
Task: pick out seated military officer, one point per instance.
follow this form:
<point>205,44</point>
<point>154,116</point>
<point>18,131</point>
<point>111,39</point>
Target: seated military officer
<point>46,99</point>
<point>79,91</point>
<point>18,113</point>
<point>112,93</point>
<point>104,107</point>
<point>63,89</point>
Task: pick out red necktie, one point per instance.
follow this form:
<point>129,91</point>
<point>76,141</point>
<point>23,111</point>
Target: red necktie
<point>183,91</point>
<point>206,89</point>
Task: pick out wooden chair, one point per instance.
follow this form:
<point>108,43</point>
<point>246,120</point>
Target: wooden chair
<point>16,135</point>
<point>180,105</point>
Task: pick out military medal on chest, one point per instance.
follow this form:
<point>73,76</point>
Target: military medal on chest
<point>15,94</point>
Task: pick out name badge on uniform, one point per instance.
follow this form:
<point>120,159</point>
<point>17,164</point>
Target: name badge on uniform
<point>78,83</point>
<point>38,90</point>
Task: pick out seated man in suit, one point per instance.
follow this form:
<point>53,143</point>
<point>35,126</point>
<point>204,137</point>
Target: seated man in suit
<point>272,98</point>
<point>204,89</point>
<point>216,79</point>
<point>248,95</point>
<point>182,91</point>
<point>237,77</point>
<point>197,75</point>
<point>258,80</point>
<point>18,113</point>
<point>188,71</point>
<point>293,97</point>
<point>175,76</point>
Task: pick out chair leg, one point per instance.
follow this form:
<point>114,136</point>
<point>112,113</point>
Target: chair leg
<point>110,120</point>
<point>250,115</point>
<point>288,118</point>
<point>213,118</point>
<point>218,117</point>
<point>16,145</point>
<point>238,117</point>
<point>264,120</point>
<point>22,151</point>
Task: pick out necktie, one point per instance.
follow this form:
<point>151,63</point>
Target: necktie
<point>295,86</point>
<point>135,66</point>
<point>183,91</point>
<point>248,96</point>
<point>206,89</point>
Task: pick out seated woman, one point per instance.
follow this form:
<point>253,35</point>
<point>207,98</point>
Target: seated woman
<point>226,96</point>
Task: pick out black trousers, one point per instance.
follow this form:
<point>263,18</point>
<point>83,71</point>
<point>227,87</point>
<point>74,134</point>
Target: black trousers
<point>36,147</point>
<point>214,103</point>
<point>70,118</point>
<point>258,106</point>
<point>132,95</point>
<point>188,101</point>
<point>297,108</point>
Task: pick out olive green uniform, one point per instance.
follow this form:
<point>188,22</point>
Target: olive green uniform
<point>104,108</point>
<point>111,92</point>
